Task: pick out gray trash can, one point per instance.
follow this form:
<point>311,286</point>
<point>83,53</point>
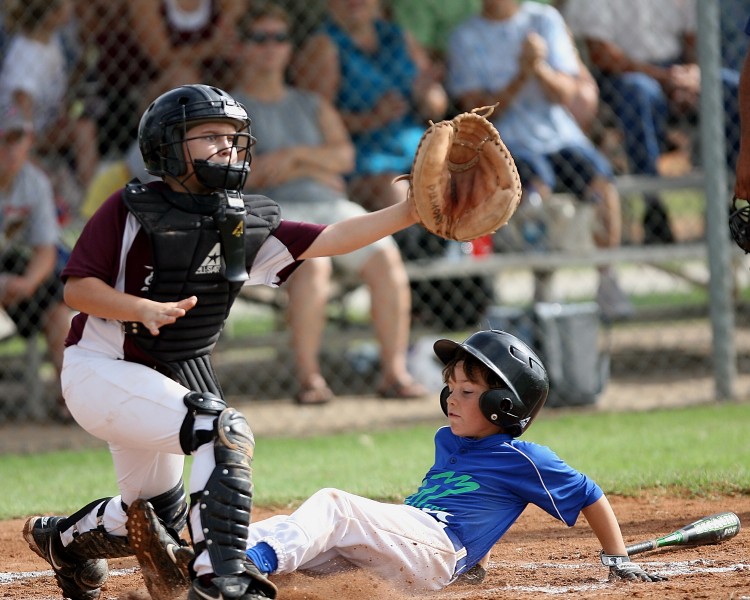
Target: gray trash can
<point>570,341</point>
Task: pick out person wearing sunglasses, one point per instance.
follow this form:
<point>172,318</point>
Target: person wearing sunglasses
<point>301,158</point>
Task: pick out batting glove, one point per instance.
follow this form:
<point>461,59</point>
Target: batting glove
<point>620,567</point>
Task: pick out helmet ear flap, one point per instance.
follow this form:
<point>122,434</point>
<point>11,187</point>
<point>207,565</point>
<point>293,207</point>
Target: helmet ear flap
<point>444,393</point>
<point>495,403</point>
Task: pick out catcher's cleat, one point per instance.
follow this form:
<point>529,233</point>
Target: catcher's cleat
<point>79,579</point>
<point>250,585</point>
<point>164,560</point>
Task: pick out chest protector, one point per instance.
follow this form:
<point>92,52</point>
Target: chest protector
<point>202,246</point>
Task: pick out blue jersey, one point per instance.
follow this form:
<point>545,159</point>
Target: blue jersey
<point>478,488</point>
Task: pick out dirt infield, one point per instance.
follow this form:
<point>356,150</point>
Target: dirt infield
<point>538,558</point>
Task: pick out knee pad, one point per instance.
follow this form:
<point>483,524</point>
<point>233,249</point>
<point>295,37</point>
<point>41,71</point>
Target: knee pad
<point>172,509</point>
<point>225,503</point>
<point>198,403</point>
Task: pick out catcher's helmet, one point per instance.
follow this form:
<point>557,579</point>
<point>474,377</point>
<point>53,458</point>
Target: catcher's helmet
<point>514,406</point>
<point>164,125</point>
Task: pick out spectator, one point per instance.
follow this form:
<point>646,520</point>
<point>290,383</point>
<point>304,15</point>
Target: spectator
<point>300,159</point>
<point>186,40</point>
<point>35,77</point>
<point>382,82</point>
<point>30,288</point>
<point>385,87</point>
<point>550,149</point>
<point>644,54</point>
<point>432,21</point>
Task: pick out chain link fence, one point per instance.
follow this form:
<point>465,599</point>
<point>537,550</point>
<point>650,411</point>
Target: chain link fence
<point>604,268</point>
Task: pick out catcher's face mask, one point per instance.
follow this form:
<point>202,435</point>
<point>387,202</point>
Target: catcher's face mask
<point>217,155</point>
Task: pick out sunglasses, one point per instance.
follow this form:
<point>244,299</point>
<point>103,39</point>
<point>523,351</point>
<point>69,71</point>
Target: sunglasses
<point>11,138</point>
<point>263,37</point>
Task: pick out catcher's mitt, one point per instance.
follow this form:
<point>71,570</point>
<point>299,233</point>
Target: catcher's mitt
<point>464,181</point>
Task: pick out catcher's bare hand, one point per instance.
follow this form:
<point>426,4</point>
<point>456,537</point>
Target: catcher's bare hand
<point>155,315</point>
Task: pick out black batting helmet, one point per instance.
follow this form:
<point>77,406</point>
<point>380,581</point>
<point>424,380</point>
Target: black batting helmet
<point>526,384</point>
<point>163,128</point>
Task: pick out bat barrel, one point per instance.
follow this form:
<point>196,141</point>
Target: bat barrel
<point>708,530</point>
<point>712,529</point>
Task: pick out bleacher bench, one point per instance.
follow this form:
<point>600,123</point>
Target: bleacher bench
<point>668,256</point>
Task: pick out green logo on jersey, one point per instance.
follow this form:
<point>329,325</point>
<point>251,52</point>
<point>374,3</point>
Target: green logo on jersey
<point>440,485</point>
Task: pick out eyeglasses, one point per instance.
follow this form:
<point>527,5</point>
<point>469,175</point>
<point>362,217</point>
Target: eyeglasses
<point>263,37</point>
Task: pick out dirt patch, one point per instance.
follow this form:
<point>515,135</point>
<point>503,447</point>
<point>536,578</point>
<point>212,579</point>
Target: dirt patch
<point>539,557</point>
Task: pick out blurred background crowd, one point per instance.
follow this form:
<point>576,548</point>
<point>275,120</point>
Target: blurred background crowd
<point>340,92</point>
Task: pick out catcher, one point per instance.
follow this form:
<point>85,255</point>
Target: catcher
<point>154,275</point>
<point>482,480</point>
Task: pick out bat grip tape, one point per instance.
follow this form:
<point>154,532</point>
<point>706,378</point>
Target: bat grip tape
<point>640,547</point>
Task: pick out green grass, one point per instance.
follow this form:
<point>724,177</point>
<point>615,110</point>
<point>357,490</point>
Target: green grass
<point>690,451</point>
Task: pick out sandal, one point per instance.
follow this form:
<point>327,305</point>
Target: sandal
<point>314,395</point>
<point>409,390</point>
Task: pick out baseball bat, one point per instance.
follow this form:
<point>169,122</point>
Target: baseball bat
<point>708,530</point>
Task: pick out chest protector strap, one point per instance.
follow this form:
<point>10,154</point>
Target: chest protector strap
<point>201,247</point>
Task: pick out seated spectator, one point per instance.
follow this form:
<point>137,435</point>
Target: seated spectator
<point>385,87</point>
<point>30,288</point>
<point>300,159</point>
<point>186,40</point>
<point>532,92</point>
<point>644,55</point>
<point>382,82</point>
<point>36,78</point>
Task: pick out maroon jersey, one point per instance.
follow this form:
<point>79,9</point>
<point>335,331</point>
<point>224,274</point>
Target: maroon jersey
<point>113,247</point>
